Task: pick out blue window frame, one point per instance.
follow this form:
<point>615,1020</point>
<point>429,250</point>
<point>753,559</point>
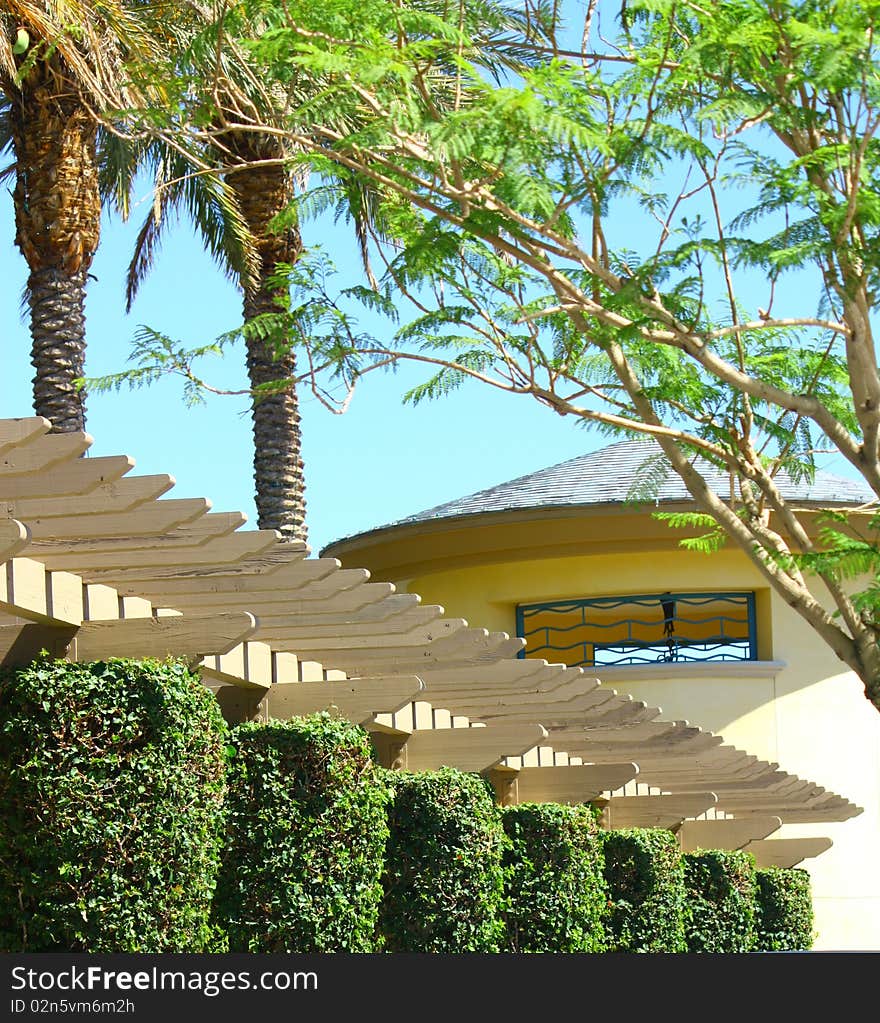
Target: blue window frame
<point>647,628</point>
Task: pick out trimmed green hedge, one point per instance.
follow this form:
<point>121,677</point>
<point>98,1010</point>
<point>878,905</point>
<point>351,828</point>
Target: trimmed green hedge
<point>111,783</point>
<point>644,876</point>
<point>444,882</point>
<point>784,918</point>
<point>722,895</point>
<point>120,784</point>
<point>553,879</point>
<point>305,839</point>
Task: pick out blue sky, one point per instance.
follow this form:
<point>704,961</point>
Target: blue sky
<point>378,462</point>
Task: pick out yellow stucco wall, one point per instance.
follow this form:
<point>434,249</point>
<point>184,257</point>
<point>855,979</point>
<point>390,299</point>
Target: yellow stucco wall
<point>808,714</point>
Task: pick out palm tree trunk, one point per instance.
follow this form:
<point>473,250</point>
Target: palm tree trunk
<point>59,346</point>
<point>262,192</point>
<point>58,224</point>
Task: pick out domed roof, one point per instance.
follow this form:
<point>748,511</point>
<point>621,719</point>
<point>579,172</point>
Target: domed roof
<point>627,472</point>
<point>629,476</point>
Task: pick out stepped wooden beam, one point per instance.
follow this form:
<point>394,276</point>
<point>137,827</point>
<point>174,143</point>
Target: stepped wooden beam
<point>397,608</point>
<point>564,704</point>
<point>395,620</point>
<point>80,476</point>
<point>649,738</point>
<point>468,749</point>
<point>41,453</point>
<point>359,700</point>
<point>268,593</point>
<point>271,569</point>
<point>764,800</point>
<point>586,736</point>
<point>663,811</point>
<point>620,749</point>
<point>723,783</point>
<point>832,810</point>
<point>710,779</point>
<point>284,604</point>
<point>730,833</point>
<point>704,752</point>
<point>787,787</point>
<point>20,431</point>
<point>502,676</point>
<point>725,759</point>
<point>110,565</point>
<point>799,802</point>
<point>333,583</point>
<point>702,777</point>
<point>466,647</point>
<point>340,602</point>
<point>485,684</point>
<point>787,852</point>
<point>13,538</point>
<point>151,521</point>
<point>173,636</point>
<point>621,710</point>
<point>571,784</point>
<point>596,708</point>
<point>109,498</point>
<point>411,628</point>
<point>182,542</point>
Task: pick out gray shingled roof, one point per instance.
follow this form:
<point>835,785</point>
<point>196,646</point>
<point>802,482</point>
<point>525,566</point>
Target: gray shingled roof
<point>611,475</point>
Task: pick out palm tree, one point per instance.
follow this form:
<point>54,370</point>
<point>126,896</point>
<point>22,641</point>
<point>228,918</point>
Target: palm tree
<point>233,212</point>
<point>60,70</point>
<point>262,192</point>
<point>263,187</point>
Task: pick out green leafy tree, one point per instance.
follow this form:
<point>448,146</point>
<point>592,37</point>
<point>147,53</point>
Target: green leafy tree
<point>735,140</point>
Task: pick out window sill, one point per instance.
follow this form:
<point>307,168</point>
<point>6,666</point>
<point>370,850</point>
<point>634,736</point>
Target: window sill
<point>716,669</point>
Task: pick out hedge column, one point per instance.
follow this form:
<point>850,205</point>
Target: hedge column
<point>444,883</point>
<point>112,785</point>
<point>722,895</point>
<point>646,892</point>
<point>306,838</point>
<point>553,879</point>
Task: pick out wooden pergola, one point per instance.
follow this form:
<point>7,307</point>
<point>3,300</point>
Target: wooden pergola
<point>100,563</point>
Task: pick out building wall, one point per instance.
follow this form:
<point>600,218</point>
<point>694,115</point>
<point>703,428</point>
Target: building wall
<point>808,713</point>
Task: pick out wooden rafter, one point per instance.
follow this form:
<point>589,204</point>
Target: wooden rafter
<point>181,635</point>
<point>660,811</point>
<point>15,432</point>
<point>70,479</point>
<point>39,453</point>
<point>135,524</point>
<point>14,537</point>
<point>731,833</point>
<point>575,783</point>
<point>469,749</point>
<point>787,852</point>
<point>111,498</point>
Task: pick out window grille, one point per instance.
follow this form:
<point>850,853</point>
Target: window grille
<point>644,629</point>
